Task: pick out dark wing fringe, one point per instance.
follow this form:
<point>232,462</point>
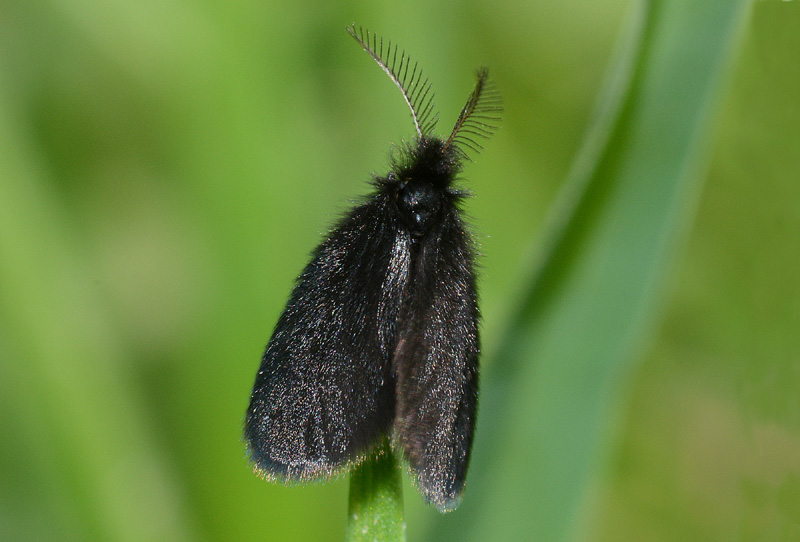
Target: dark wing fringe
<point>479,117</point>
<point>416,89</point>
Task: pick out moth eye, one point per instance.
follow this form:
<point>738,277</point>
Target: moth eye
<point>420,217</point>
<point>417,204</point>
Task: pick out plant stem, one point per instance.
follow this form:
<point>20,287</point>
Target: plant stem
<point>376,499</point>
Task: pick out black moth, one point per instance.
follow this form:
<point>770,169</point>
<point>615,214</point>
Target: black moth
<point>380,335</point>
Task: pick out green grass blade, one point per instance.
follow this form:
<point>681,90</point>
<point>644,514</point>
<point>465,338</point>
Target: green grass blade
<point>549,400</point>
<point>376,500</point>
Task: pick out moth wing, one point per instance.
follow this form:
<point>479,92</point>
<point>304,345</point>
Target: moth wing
<point>436,364</point>
<point>324,393</point>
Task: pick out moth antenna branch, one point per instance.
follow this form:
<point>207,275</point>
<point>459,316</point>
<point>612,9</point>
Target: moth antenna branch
<point>416,92</point>
<point>479,114</point>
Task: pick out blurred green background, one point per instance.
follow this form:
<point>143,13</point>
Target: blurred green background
<point>166,168</point>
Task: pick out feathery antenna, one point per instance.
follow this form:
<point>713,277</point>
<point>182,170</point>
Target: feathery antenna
<point>407,77</point>
<point>479,117</point>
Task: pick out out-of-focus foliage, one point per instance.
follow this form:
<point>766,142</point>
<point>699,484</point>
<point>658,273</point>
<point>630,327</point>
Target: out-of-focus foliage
<point>166,168</point>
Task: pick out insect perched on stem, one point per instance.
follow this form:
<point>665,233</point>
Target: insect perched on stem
<point>380,334</point>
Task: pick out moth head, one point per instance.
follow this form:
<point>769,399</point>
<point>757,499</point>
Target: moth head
<point>420,180</point>
<point>418,204</point>
<point>478,118</point>
<point>423,170</point>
